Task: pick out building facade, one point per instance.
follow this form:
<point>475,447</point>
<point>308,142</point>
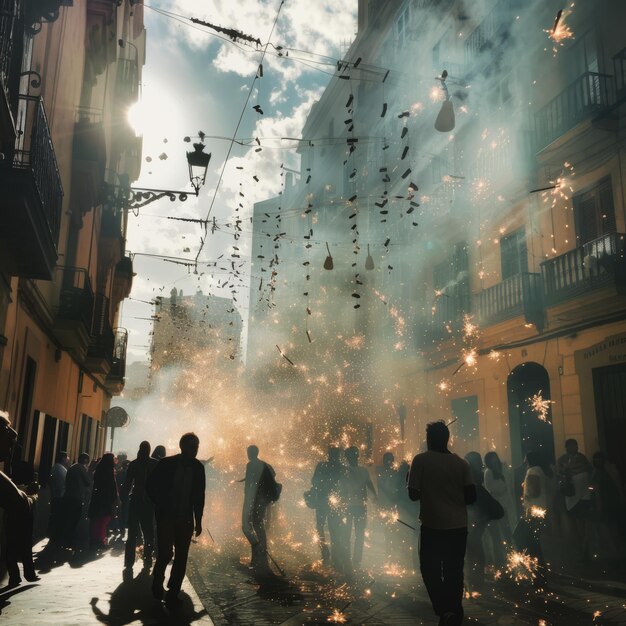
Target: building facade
<point>189,330</point>
<point>69,73</point>
<point>499,243</point>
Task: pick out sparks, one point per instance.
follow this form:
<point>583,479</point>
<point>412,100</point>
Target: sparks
<point>521,566</point>
<point>470,357</point>
<point>540,406</point>
<point>469,328</point>
<point>537,511</point>
<point>337,617</point>
<point>560,32</point>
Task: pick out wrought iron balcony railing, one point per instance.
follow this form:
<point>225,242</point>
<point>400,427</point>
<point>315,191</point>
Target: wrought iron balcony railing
<point>127,80</point>
<point>35,155</point>
<point>587,96</point>
<point>619,69</point>
<point>517,295</point>
<point>590,266</point>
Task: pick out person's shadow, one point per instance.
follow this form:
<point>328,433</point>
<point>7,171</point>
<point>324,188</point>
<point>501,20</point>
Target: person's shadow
<point>132,600</point>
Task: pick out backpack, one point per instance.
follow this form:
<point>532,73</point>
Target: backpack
<point>269,489</point>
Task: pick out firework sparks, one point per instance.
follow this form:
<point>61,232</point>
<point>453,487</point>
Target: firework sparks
<point>494,355</point>
<point>469,328</point>
<point>537,511</point>
<point>540,406</point>
<point>521,566</point>
<point>470,357</point>
<point>560,32</point>
<point>443,385</point>
<point>337,617</point>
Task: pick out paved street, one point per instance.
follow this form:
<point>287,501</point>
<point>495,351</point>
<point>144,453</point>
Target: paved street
<point>222,591</point>
<point>385,595</point>
<point>87,591</point>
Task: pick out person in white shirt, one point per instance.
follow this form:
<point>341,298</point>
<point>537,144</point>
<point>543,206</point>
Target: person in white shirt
<point>496,484</point>
<point>443,484</point>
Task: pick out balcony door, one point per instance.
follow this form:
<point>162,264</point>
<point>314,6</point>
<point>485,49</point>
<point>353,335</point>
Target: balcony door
<point>531,430</point>
<point>594,212</point>
<point>609,390</point>
<point>513,254</point>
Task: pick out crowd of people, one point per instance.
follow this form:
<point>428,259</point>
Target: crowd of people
<point>472,513</point>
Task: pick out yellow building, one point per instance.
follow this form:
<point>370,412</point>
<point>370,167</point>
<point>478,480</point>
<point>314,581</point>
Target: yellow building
<point>509,272</point>
<point>69,73</point>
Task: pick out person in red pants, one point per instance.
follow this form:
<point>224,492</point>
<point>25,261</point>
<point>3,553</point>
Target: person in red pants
<point>104,498</point>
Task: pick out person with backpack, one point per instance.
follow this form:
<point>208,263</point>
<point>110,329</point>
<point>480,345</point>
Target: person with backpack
<point>260,490</point>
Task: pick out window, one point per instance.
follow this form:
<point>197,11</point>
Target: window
<point>513,254</point>
<point>402,25</point>
<point>594,212</point>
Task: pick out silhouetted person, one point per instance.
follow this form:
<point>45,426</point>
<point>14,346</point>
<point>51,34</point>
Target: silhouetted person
<point>57,491</point>
<point>387,484</point>
<point>478,521</point>
<point>353,488</point>
<point>159,452</point>
<point>104,498</point>
<point>176,487</point>
<point>77,485</point>
<point>575,470</point>
<point>17,505</point>
<point>443,483</point>
<point>120,521</point>
<point>259,484</point>
<point>495,483</point>
<point>326,495</point>
<point>140,507</point>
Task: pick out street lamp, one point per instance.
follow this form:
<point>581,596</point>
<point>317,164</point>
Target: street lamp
<point>198,162</point>
<point>129,197</point>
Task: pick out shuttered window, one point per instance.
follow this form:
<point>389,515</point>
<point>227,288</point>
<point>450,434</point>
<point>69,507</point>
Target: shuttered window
<point>513,254</point>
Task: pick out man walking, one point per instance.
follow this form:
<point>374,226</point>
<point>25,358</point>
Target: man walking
<point>353,487</point>
<point>140,508</point>
<point>260,489</point>
<point>325,494</point>
<point>176,486</point>
<point>443,483</point>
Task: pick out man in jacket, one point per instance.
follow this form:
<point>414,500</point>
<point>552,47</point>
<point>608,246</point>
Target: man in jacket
<point>140,508</point>
<point>78,483</point>
<point>176,486</point>
<point>443,483</point>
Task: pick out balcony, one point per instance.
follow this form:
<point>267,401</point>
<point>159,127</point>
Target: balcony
<point>518,295</point>
<point>597,264</point>
<point>587,97</point>
<point>100,353</point>
<point>115,379</point>
<point>89,162</point>
<point>74,312</point>
<point>32,194</point>
<point>127,80</point>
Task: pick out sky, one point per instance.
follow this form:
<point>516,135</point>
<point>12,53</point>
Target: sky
<point>197,80</point>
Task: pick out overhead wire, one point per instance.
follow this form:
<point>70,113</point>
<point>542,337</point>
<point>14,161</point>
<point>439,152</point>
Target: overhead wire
<point>243,111</point>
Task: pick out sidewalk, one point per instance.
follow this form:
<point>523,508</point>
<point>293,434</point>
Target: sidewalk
<point>86,592</point>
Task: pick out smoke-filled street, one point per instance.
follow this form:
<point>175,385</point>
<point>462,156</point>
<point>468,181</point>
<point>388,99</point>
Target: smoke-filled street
<point>313,312</point>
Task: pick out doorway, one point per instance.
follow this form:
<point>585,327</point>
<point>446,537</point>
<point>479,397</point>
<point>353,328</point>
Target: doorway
<point>609,390</point>
<point>530,426</point>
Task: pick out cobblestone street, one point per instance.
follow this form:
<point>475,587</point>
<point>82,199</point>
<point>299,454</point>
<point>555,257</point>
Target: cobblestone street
<point>394,597</point>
